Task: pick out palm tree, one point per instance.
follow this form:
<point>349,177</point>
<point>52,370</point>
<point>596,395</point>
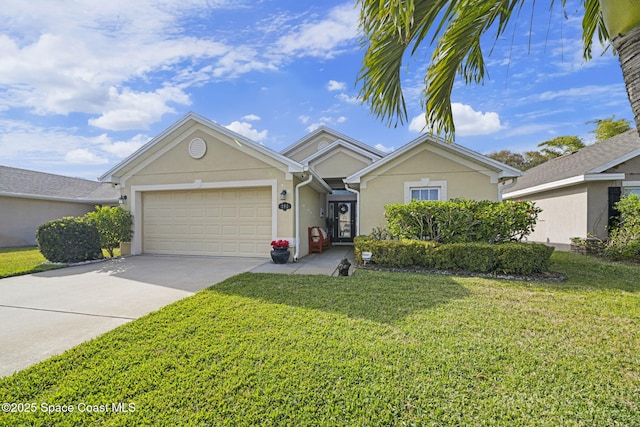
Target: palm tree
<point>391,27</point>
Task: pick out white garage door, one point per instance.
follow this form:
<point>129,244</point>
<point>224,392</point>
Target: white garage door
<point>225,222</point>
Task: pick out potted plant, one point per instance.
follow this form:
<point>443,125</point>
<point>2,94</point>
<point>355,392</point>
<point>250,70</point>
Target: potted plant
<point>280,251</point>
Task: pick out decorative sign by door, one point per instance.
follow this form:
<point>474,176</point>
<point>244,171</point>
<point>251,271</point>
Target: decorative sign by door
<point>284,206</point>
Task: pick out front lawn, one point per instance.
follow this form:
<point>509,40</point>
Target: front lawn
<point>378,348</point>
<point>23,260</point>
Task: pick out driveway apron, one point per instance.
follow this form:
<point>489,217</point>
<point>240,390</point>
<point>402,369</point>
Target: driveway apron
<point>47,313</point>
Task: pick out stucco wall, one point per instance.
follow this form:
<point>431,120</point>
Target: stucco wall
<point>386,184</point>
<point>310,204</point>
<point>19,218</point>
<point>563,216</point>
<point>339,164</point>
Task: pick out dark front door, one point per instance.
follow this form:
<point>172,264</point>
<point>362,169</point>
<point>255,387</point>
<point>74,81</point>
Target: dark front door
<point>344,221</point>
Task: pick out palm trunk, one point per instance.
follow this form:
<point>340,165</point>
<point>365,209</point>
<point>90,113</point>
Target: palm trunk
<point>628,47</point>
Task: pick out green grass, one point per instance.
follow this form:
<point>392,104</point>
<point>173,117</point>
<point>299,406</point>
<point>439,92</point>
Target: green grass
<point>378,348</point>
<point>28,259</point>
<point>23,260</point>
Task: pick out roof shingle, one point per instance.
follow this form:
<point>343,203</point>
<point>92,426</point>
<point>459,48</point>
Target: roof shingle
<point>22,182</point>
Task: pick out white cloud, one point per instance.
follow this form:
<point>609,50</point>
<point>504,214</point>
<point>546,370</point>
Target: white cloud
<point>335,85</point>
<point>247,130</point>
<point>83,156</point>
<point>417,123</point>
<point>468,122</point>
<point>251,117</point>
<point>384,148</point>
<point>325,121</point>
<point>304,119</point>
<point>325,38</point>
<point>122,149</point>
<point>127,109</point>
<point>348,99</point>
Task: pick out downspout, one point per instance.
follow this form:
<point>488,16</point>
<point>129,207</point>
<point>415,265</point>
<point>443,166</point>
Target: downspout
<point>297,208</point>
<point>501,188</point>
<point>357,193</point>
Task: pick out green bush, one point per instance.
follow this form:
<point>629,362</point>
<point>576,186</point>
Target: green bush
<point>477,257</point>
<point>523,258</point>
<point>462,220</point>
<point>624,240</point>
<point>68,239</point>
<point>396,253</point>
<point>510,258</point>
<point>113,224</point>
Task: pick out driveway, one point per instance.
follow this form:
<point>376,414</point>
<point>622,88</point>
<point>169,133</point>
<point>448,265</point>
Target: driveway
<point>44,314</point>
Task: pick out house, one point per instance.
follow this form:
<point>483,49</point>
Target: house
<point>201,189</point>
<point>28,199</point>
<point>577,191</point>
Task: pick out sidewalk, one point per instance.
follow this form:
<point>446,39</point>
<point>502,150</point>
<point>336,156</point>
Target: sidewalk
<point>325,263</point>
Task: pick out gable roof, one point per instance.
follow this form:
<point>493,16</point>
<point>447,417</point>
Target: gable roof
<point>39,185</point>
<point>587,164</point>
<point>504,171</point>
<point>115,173</point>
<point>340,143</point>
<point>290,150</point>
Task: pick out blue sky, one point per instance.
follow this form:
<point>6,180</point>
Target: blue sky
<point>83,84</point>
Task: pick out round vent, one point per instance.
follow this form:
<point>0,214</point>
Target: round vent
<point>322,145</point>
<point>197,148</point>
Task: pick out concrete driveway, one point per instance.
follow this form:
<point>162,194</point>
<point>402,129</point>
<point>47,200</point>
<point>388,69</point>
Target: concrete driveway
<point>44,314</point>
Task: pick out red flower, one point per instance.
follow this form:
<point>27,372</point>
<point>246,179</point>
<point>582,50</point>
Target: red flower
<point>280,244</point>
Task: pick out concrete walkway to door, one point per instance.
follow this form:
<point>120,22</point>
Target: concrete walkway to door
<point>325,263</point>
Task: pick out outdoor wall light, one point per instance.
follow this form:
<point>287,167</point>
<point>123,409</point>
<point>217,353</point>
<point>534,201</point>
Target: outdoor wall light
<point>283,195</point>
<point>122,199</point>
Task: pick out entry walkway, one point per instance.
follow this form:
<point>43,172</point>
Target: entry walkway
<point>325,263</point>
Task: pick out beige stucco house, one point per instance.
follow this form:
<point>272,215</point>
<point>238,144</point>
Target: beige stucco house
<point>577,191</point>
<point>201,189</point>
<point>29,198</point>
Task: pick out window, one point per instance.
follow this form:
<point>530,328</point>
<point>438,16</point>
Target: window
<point>425,193</point>
<point>425,189</point>
<point>631,190</point>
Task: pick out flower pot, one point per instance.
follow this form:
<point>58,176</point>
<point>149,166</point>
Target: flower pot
<point>280,256</point>
<point>125,248</point>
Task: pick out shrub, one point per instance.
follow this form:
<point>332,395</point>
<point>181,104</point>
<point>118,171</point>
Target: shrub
<point>624,240</point>
<point>478,257</point>
<point>462,220</point>
<point>396,253</point>
<point>510,258</point>
<point>69,239</point>
<point>113,224</point>
<point>523,258</point>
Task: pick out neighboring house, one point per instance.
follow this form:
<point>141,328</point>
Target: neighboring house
<point>201,189</point>
<point>28,199</point>
<point>577,191</point>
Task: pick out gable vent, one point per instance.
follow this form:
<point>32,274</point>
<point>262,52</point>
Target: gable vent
<point>197,148</point>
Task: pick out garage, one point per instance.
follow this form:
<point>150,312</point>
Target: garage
<point>214,222</point>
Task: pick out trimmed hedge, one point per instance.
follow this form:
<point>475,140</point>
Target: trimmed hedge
<point>508,258</point>
<point>69,239</point>
<point>462,220</point>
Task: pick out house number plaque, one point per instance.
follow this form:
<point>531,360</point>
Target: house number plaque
<point>284,206</point>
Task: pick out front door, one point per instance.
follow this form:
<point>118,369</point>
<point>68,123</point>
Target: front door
<point>343,214</point>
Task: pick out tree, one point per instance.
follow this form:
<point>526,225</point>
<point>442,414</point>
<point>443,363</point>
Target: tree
<point>113,224</point>
<point>391,27</point>
<point>609,127</point>
<point>519,161</point>
<point>560,145</point>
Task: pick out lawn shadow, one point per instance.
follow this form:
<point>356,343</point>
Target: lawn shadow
<point>378,296</point>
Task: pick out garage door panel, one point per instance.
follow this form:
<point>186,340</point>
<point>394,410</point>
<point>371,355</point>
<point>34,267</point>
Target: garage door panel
<point>224,222</point>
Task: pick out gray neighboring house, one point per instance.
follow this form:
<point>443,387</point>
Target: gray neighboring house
<point>577,191</point>
<point>29,198</point>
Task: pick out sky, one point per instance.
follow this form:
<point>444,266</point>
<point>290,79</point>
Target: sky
<point>84,84</point>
